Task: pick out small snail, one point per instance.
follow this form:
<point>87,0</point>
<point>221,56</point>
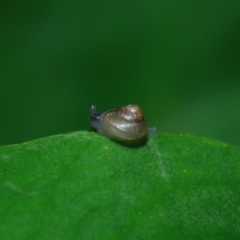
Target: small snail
<point>125,123</point>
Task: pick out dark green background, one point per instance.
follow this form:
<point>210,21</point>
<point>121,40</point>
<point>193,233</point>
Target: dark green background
<point>179,60</point>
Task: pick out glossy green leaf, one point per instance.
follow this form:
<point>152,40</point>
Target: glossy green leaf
<point>84,186</point>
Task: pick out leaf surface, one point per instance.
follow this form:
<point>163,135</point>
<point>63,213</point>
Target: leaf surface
<point>84,186</point>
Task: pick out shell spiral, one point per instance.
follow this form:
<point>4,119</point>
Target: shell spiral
<point>131,112</point>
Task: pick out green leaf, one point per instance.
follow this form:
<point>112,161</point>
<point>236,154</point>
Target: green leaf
<point>84,186</point>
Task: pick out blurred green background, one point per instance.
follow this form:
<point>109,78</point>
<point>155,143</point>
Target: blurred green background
<point>179,60</point>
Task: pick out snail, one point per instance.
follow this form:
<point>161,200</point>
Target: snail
<point>124,123</point>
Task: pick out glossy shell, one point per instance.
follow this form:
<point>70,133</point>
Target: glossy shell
<point>125,123</point>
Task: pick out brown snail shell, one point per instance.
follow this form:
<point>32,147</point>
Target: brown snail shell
<point>125,123</point>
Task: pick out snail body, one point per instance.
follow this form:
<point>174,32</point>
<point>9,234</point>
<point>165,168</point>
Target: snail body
<point>125,123</point>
